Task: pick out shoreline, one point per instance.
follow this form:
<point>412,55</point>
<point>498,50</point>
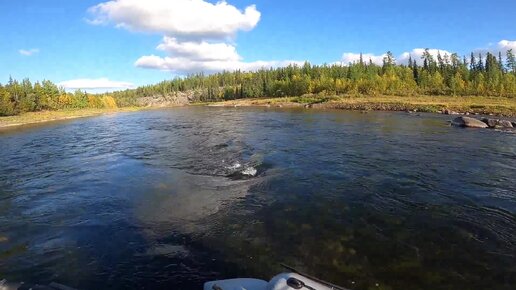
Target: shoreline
<point>499,107</point>
<point>34,118</point>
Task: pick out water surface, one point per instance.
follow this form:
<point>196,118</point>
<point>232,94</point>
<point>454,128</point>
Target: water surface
<point>167,199</point>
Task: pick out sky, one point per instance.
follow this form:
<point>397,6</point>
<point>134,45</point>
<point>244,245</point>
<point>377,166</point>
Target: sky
<point>108,45</point>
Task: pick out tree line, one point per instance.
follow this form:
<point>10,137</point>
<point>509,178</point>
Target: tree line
<point>479,74</point>
<point>18,97</point>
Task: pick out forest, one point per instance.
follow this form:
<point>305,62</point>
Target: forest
<point>477,75</point>
<point>19,97</point>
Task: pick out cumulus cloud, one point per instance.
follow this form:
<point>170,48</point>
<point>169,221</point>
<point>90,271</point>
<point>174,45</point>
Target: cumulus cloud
<point>196,33</point>
<point>502,46</point>
<point>200,51</point>
<point>186,18</point>
<point>95,84</point>
<point>28,52</point>
<point>416,54</point>
<point>188,65</point>
<point>350,57</point>
<point>505,45</point>
<point>191,56</point>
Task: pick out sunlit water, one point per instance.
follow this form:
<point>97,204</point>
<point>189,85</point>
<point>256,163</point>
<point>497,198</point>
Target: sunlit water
<point>169,199</point>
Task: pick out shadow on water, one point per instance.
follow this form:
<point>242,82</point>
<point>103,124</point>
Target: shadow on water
<point>169,199</point>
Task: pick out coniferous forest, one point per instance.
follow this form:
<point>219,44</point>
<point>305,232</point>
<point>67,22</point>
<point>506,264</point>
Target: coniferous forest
<point>449,75</point>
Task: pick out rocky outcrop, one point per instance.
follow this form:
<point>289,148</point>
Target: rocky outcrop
<point>496,123</point>
<point>468,122</point>
<point>173,99</point>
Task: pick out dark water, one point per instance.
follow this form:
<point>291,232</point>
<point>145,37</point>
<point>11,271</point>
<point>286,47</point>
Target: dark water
<point>156,200</point>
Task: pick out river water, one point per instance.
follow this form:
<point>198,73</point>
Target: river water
<point>168,199</point>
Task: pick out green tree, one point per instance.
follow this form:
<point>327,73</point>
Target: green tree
<point>6,106</point>
<point>511,61</point>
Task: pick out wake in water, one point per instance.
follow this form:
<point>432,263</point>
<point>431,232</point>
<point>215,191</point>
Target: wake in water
<point>238,171</point>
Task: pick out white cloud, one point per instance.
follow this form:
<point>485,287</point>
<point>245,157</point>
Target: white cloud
<point>185,18</point>
<point>95,84</point>
<point>350,57</point>
<point>417,53</point>
<point>502,46</point>
<point>201,56</point>
<point>199,51</point>
<point>505,45</point>
<point>187,65</point>
<point>196,33</point>
<point>28,52</point>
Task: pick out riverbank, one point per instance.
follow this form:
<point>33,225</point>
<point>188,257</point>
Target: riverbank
<point>434,104</point>
<point>48,116</point>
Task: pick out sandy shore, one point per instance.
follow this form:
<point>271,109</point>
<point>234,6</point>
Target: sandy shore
<point>49,116</point>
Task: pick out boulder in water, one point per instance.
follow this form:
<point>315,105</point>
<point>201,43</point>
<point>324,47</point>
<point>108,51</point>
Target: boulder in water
<point>468,122</point>
<point>489,122</point>
<point>506,124</point>
<point>496,123</point>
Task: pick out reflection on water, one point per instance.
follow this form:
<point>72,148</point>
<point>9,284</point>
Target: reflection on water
<point>169,199</point>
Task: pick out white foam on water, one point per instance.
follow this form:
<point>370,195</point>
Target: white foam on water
<point>249,171</point>
<point>235,165</point>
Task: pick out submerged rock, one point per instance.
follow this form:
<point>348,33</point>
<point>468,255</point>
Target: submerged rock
<point>468,122</point>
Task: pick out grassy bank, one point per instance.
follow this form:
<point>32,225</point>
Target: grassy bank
<point>473,104</point>
<point>46,116</point>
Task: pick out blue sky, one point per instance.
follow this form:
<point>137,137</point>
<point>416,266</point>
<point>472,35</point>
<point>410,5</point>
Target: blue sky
<point>69,42</point>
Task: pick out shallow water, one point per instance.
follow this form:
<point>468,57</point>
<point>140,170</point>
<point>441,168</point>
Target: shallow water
<point>168,199</point>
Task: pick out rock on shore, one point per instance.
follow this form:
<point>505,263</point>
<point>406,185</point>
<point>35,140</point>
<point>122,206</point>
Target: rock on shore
<point>469,122</point>
<point>496,123</point>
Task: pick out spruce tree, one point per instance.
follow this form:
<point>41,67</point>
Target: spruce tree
<point>480,65</point>
<point>511,61</point>
<point>472,63</point>
<point>500,62</point>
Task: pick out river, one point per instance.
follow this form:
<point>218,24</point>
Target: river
<point>168,199</point>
